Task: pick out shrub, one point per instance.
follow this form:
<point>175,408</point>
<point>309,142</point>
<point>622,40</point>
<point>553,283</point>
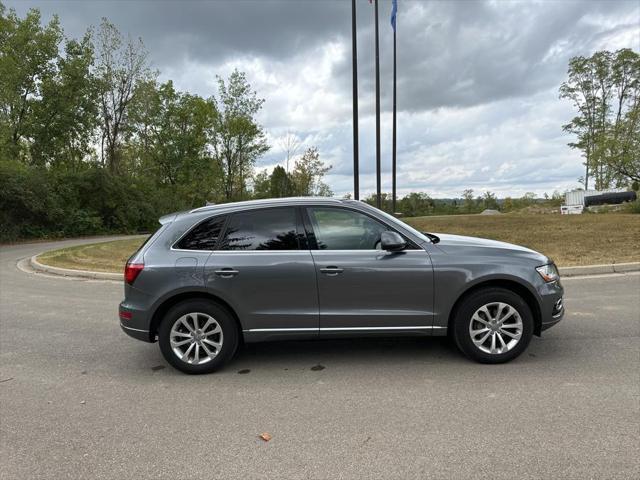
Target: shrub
<point>40,203</point>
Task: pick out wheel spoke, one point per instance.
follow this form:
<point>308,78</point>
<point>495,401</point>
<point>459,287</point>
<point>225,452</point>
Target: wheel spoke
<point>213,344</point>
<point>515,336</point>
<point>504,345</point>
<point>483,339</point>
<point>475,333</point>
<point>477,318</point>
<point>214,331</point>
<point>206,350</point>
<point>207,323</point>
<point>175,343</point>
<point>175,333</point>
<point>185,356</point>
<point>184,322</point>
<point>484,309</point>
<point>507,315</point>
<point>493,342</point>
<point>517,325</point>
<point>196,357</point>
<point>195,321</point>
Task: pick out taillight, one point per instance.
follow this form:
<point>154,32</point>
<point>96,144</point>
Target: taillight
<point>131,271</point>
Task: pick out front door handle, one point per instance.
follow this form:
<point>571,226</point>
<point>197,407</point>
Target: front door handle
<point>226,272</point>
<point>331,271</point>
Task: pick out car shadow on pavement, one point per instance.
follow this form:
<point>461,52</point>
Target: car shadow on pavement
<point>346,351</point>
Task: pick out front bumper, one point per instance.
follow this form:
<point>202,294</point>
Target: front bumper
<point>556,315</point>
<point>552,305</point>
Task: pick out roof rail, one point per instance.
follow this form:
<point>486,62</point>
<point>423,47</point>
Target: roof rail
<point>267,201</point>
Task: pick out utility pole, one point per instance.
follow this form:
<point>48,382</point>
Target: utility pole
<point>354,55</point>
<point>378,182</point>
<point>394,21</point>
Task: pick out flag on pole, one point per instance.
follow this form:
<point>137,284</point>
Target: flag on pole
<point>394,13</point>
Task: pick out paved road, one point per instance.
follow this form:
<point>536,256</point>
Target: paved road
<point>79,399</point>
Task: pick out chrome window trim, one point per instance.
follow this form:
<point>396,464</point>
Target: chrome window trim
<point>415,327</point>
<point>307,250</point>
<point>259,330</point>
<point>189,251</point>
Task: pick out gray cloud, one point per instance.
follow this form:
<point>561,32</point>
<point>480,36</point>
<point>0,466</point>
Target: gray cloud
<point>477,81</point>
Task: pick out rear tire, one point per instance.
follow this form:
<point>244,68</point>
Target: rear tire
<point>198,336</point>
<point>493,325</point>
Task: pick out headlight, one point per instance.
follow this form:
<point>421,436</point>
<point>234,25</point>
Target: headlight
<point>549,273</point>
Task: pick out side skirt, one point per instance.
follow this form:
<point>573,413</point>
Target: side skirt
<point>270,334</point>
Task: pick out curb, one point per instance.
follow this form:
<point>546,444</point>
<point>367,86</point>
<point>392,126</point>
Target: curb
<point>67,272</point>
<point>599,269</point>
<point>564,271</point>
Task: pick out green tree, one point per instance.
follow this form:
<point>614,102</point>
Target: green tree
<point>64,119</point>
<point>605,88</point>
<point>308,173</point>
<point>416,204</point>
<point>489,201</point>
<point>279,183</point>
<point>28,54</point>
<point>262,185</point>
<point>507,204</point>
<point>237,139</point>
<point>170,132</point>
<point>468,203</point>
<point>121,66</point>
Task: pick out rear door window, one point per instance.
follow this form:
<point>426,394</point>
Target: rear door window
<point>268,229</point>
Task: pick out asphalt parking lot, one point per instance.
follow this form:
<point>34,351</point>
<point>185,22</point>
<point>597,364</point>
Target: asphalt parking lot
<point>79,399</point>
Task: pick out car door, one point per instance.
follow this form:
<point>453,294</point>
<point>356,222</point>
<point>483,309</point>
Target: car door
<point>360,286</point>
<point>264,268</point>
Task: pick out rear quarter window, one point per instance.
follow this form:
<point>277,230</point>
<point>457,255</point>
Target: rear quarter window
<point>203,236</point>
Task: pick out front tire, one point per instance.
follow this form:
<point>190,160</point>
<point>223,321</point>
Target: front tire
<point>493,325</point>
<point>198,336</point>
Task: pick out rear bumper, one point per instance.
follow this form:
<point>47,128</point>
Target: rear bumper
<point>134,323</point>
<point>136,333</point>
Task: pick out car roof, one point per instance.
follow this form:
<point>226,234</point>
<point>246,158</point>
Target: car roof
<point>267,202</point>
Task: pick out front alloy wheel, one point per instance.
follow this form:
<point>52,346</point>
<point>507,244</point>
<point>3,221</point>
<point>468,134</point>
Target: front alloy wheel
<point>493,325</point>
<point>495,328</point>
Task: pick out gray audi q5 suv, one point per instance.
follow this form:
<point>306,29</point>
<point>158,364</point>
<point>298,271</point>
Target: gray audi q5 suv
<point>303,268</point>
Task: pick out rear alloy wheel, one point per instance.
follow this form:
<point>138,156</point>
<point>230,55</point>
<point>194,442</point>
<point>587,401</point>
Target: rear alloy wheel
<point>198,336</point>
<point>493,326</point>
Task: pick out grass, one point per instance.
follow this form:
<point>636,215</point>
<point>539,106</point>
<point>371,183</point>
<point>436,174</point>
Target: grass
<point>99,257</point>
<point>568,239</point>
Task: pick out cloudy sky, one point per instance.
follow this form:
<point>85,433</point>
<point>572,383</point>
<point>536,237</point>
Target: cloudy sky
<point>478,81</point>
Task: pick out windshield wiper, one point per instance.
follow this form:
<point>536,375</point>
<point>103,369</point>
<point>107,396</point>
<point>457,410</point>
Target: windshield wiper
<point>434,238</point>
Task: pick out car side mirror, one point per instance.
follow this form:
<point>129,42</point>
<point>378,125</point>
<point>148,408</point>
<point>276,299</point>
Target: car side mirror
<point>392,242</point>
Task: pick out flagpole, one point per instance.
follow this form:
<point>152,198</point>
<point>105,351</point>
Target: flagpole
<point>378,183</point>
<point>393,155</point>
<point>354,45</point>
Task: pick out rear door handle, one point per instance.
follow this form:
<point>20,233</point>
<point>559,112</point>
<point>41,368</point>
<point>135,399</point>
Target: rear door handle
<point>331,271</point>
<point>226,272</point>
